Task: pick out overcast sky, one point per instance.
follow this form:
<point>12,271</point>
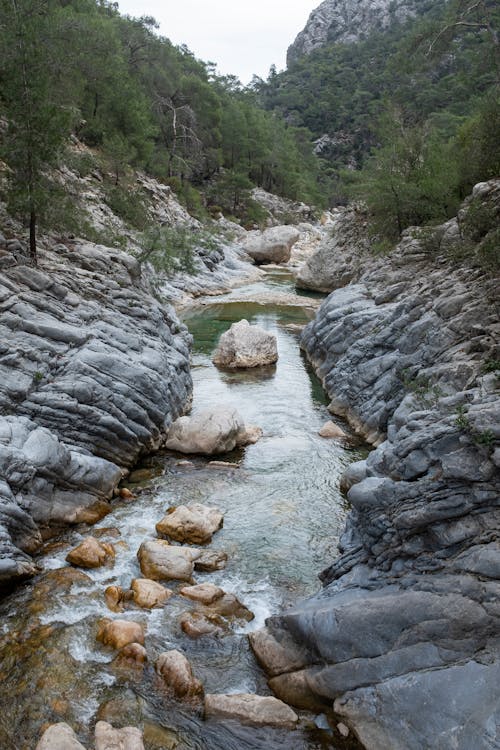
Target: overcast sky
<point>243,38</point>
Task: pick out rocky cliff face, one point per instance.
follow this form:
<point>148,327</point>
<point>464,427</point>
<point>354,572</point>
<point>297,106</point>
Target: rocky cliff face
<point>404,636</point>
<point>93,371</point>
<point>347,21</point>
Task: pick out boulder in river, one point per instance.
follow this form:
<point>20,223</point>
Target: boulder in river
<point>178,676</point>
<point>197,624</point>
<point>192,524</point>
<point>108,738</point>
<point>332,430</point>
<point>59,737</point>
<point>132,655</point>
<point>119,633</point>
<point>149,594</point>
<point>204,593</point>
<point>244,345</point>
<point>256,710</point>
<point>273,245</point>
<point>210,560</point>
<point>91,553</point>
<point>161,561</point>
<point>209,432</point>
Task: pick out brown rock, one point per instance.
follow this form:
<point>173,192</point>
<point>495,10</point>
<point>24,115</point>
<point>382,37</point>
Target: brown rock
<point>127,738</point>
<point>119,633</point>
<point>205,593</point>
<point>293,688</point>
<point>278,656</point>
<point>149,594</point>
<point>59,737</point>
<point>230,606</point>
<point>177,674</point>
<point>114,597</point>
<point>255,710</point>
<point>126,494</point>
<point>131,655</point>
<point>195,624</point>
<point>192,524</point>
<point>332,430</point>
<point>91,554</point>
<point>210,560</point>
<point>161,561</point>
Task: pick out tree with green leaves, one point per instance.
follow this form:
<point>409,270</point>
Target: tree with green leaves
<point>37,122</point>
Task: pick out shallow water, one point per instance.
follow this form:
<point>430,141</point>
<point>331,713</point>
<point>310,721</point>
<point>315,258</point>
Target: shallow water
<point>283,515</point>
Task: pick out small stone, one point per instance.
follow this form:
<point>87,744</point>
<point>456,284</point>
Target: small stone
<point>149,594</point>
<point>178,676</point>
<point>126,494</point>
<point>161,561</point>
<point>210,560</point>
<point>108,738</point>
<point>343,729</point>
<point>114,597</point>
<point>131,655</point>
<point>205,593</point>
<point>91,554</point>
<point>192,524</point>
<point>59,737</point>
<point>332,430</point>
<point>195,624</point>
<point>119,633</point>
<point>230,606</point>
<point>255,710</point>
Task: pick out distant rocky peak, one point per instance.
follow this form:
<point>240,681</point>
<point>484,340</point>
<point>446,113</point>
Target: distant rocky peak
<point>348,21</point>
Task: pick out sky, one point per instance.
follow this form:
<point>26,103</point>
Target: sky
<point>243,38</point>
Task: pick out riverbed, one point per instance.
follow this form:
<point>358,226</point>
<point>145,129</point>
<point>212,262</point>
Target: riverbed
<point>283,514</point>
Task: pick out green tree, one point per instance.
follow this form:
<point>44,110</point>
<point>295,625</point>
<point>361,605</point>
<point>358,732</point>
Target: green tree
<point>37,121</point>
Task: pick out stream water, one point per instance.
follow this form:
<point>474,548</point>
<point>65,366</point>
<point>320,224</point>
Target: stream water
<point>283,515</point>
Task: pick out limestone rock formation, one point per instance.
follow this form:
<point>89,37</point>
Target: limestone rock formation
<point>210,432</point>
<point>273,245</point>
<point>339,256</point>
<point>244,345</point>
<point>407,623</point>
<point>347,21</point>
<point>255,710</point>
<point>93,370</point>
<point>191,524</point>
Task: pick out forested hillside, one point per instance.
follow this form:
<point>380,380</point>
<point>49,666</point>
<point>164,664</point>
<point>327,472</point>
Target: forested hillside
<point>414,107</point>
<point>79,67</point>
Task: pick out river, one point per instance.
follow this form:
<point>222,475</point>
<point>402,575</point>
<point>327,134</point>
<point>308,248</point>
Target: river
<point>283,516</point>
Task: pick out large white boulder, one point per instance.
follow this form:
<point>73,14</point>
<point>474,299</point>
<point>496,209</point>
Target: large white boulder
<point>210,432</point>
<point>191,524</point>
<point>244,345</point>
<point>273,245</point>
<point>59,737</point>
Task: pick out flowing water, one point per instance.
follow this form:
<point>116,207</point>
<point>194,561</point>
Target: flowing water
<point>283,515</point>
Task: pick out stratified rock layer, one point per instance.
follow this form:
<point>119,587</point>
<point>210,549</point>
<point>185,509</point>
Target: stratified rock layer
<point>93,370</point>
<point>404,637</point>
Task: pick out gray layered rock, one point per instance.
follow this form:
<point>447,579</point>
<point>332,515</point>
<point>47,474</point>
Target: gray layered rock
<point>404,637</point>
<point>339,256</point>
<point>93,370</point>
<point>347,21</point>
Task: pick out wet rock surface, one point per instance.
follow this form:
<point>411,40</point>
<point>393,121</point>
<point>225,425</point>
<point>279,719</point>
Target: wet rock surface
<point>191,524</point>
<point>407,622</point>
<point>161,561</point>
<point>94,370</point>
<point>273,245</point>
<point>256,710</point>
<point>59,737</point>
<point>244,345</point>
<point>91,554</point>
<point>108,738</point>
<point>210,432</point>
<point>177,673</point>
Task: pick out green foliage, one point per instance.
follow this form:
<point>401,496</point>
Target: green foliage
<point>172,249</point>
<point>129,204</point>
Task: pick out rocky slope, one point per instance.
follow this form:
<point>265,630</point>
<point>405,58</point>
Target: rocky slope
<point>404,637</point>
<point>93,371</point>
<point>347,21</point>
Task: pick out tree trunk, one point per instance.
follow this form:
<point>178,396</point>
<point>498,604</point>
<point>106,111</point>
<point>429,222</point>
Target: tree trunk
<point>33,252</point>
